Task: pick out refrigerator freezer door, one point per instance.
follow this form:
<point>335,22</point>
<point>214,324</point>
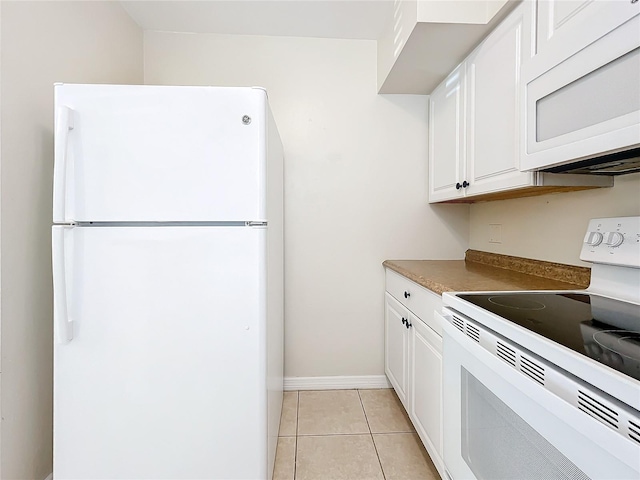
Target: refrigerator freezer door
<point>164,377</point>
<point>159,153</point>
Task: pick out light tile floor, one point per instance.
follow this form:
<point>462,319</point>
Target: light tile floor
<point>349,435</point>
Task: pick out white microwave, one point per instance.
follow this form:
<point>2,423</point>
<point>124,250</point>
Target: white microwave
<point>581,87</point>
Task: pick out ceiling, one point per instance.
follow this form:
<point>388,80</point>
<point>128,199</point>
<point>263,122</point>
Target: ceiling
<point>348,19</point>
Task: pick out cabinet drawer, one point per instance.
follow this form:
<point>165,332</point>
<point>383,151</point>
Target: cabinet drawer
<point>419,300</point>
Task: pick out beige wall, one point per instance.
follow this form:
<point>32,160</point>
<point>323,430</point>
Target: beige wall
<point>42,43</point>
<point>551,227</point>
<point>355,183</point>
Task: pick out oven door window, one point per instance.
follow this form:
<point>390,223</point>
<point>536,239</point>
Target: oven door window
<point>497,443</point>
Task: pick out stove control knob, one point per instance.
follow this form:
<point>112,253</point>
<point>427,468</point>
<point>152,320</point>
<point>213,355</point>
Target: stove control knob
<point>614,239</point>
<point>593,238</point>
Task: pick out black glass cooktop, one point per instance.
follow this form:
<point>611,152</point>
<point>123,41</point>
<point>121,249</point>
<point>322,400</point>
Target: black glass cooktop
<point>601,328</point>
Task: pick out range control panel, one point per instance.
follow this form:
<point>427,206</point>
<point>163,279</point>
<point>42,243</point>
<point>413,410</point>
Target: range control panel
<point>614,241</point>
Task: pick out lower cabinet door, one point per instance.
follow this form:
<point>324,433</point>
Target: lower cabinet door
<point>426,392</point>
<point>396,346</point>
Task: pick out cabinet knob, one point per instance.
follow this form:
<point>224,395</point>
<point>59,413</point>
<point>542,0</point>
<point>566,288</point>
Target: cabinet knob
<point>458,185</point>
<point>407,294</point>
<point>408,325</point>
<point>465,184</point>
<point>404,321</point>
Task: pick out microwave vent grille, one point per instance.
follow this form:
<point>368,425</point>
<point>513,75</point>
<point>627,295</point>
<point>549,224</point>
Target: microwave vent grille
<point>597,409</point>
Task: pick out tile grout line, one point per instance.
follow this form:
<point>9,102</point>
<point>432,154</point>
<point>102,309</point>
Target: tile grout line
<point>384,477</point>
<point>364,411</point>
<point>395,433</point>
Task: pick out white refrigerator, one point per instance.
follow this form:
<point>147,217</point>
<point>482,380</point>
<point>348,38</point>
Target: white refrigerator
<point>168,283</point>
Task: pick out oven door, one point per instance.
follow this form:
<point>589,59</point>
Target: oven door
<point>500,424</point>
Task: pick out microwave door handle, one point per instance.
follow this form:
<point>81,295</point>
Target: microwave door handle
<point>64,124</point>
<point>62,251</point>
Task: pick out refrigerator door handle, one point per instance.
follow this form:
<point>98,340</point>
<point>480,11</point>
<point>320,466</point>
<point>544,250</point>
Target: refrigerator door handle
<point>64,124</point>
<point>62,247</point>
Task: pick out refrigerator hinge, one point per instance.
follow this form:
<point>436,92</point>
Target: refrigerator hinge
<point>255,224</point>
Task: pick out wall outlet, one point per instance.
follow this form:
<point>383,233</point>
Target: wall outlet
<point>495,233</point>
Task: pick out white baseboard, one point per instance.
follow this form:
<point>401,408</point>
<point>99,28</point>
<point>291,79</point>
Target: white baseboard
<point>49,477</point>
<point>336,383</point>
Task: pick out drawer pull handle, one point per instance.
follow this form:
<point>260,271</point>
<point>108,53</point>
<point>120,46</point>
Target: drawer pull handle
<point>404,321</point>
<point>408,325</point>
<point>407,294</point>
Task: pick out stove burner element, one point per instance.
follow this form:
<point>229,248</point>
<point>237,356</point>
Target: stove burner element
<point>622,342</point>
<point>514,301</point>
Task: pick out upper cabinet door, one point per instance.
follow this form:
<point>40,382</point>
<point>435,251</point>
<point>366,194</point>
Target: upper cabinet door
<point>447,137</point>
<point>155,153</point>
<point>493,113</point>
<point>565,27</point>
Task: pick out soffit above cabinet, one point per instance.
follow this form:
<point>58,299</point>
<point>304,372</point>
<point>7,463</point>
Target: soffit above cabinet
<point>419,41</point>
<point>427,39</point>
<point>346,19</point>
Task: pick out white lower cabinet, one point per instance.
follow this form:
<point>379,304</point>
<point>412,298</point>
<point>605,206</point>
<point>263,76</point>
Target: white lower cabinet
<point>413,357</point>
<point>425,377</point>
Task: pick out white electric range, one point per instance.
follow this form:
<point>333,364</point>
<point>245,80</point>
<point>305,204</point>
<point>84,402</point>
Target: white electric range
<point>547,384</point>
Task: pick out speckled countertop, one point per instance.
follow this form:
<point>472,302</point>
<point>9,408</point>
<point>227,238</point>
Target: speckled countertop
<point>489,271</point>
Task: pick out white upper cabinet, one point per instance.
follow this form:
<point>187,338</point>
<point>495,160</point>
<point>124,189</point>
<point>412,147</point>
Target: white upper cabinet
<point>493,107</point>
<point>474,127</point>
<point>423,40</point>
<point>582,87</point>
<point>477,117</point>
